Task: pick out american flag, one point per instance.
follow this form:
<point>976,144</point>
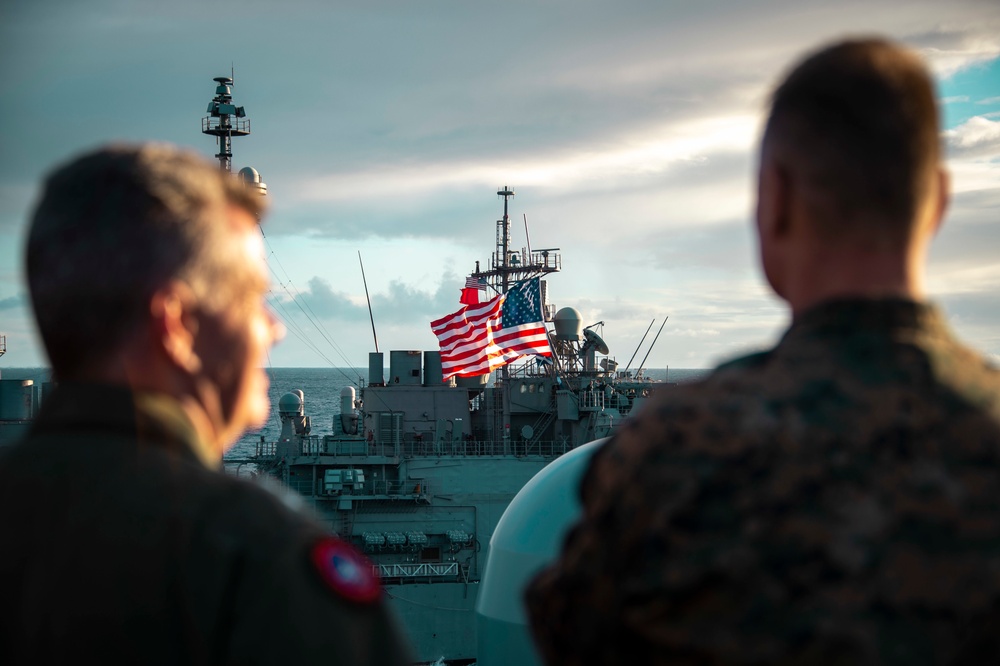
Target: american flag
<point>474,283</point>
<point>480,338</point>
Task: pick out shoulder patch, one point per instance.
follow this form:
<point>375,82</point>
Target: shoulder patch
<point>345,570</point>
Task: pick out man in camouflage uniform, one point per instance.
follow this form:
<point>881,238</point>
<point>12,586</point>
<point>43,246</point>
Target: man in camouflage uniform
<point>123,541</point>
<point>835,500</point>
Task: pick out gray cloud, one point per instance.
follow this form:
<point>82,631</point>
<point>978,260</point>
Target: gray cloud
<point>440,107</point>
<point>401,304</point>
<point>970,234</point>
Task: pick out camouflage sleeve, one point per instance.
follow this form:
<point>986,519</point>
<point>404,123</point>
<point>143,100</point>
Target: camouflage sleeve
<point>573,604</point>
<point>717,532</point>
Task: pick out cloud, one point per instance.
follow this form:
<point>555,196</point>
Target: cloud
<point>12,302</point>
<point>603,166</point>
<point>401,303</point>
<point>955,99</point>
<point>978,138</point>
<point>694,332</point>
<point>989,100</point>
<point>953,49</point>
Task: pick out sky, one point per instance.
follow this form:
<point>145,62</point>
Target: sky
<point>384,129</point>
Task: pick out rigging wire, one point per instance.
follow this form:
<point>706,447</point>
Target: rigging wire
<point>301,333</point>
<point>307,311</point>
<point>314,318</point>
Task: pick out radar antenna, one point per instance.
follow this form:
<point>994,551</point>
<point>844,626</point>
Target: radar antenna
<point>509,266</point>
<point>224,121</point>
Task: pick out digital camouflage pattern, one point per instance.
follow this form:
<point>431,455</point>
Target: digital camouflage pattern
<point>833,501</point>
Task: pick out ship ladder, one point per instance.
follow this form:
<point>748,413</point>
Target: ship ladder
<point>541,425</point>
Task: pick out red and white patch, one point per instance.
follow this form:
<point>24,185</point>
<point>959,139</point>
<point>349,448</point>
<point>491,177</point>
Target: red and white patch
<point>345,570</point>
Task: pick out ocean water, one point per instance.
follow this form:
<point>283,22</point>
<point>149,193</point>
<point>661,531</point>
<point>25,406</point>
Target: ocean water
<point>321,389</point>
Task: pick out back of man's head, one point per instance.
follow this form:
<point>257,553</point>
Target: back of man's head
<point>857,125</point>
<point>114,226</point>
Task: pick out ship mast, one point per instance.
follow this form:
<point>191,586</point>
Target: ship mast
<point>224,121</point>
<point>508,266</point>
<point>503,232</point>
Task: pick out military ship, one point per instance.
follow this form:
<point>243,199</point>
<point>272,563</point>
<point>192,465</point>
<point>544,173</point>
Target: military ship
<point>420,465</point>
<point>417,470</point>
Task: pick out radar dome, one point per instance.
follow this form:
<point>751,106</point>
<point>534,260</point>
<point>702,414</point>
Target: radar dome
<point>529,536</point>
<point>249,175</point>
<point>291,403</point>
<point>568,324</point>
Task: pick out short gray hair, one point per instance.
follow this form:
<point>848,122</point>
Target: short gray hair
<point>112,227</point>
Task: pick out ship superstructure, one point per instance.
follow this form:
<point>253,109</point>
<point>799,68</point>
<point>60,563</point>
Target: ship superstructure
<point>417,471</point>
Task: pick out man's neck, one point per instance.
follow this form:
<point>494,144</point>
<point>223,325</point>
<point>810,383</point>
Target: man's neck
<point>827,273</point>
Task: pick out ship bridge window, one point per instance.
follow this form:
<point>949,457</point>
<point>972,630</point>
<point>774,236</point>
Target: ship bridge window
<point>531,388</point>
<point>524,388</point>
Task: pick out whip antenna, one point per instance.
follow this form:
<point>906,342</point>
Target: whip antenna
<point>652,344</point>
<point>639,346</point>
<point>370,315</point>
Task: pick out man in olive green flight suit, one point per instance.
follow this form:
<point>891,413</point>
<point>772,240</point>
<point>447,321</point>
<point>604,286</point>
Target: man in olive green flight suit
<point>835,500</point>
<point>123,542</point>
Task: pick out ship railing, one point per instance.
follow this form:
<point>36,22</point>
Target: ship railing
<point>592,400</point>
<point>530,368</point>
<point>368,488</point>
<point>462,447</point>
<point>421,570</point>
<point>267,449</point>
<point>236,125</point>
<point>415,488</point>
<point>542,448</point>
<point>311,445</point>
<point>471,448</point>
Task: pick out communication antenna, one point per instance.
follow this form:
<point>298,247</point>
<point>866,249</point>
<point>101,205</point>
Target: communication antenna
<point>652,344</point>
<point>526,236</point>
<point>224,121</point>
<point>370,315</point>
<point>640,344</point>
<point>503,238</point>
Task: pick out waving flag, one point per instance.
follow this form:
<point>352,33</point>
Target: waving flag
<point>470,294</point>
<point>480,338</point>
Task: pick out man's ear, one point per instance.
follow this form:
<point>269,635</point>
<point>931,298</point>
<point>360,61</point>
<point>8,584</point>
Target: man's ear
<point>175,325</point>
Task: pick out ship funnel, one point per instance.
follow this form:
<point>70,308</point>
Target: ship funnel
<point>376,369</point>
<point>568,324</point>
<point>404,368</point>
<point>433,374</point>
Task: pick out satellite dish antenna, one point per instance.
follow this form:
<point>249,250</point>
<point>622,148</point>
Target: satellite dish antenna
<point>593,339</point>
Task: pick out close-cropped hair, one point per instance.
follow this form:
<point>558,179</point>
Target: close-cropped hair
<point>114,226</point>
<point>857,123</point>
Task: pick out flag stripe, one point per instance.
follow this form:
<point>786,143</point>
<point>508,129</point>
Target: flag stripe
<point>474,341</point>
